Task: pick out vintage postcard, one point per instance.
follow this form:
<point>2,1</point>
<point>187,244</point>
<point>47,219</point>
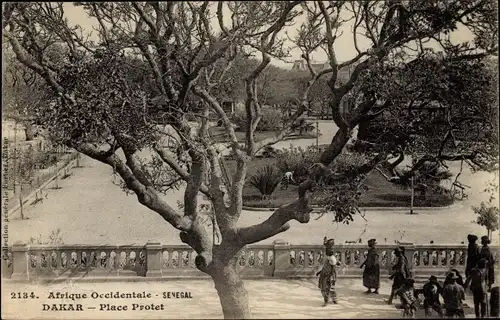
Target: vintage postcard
<point>250,159</point>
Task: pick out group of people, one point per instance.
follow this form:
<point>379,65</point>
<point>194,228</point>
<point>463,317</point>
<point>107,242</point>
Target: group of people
<point>479,275</point>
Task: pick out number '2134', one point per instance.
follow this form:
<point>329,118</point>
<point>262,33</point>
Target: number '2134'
<point>22,295</point>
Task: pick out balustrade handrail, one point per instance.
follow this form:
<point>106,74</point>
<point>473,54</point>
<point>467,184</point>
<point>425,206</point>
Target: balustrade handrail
<point>249,247</point>
<point>342,245</point>
<point>65,247</point>
<point>253,246</point>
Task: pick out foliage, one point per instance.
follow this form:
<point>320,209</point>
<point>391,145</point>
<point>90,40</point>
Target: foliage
<point>342,196</point>
<point>319,97</point>
<point>438,117</point>
<point>272,120</point>
<point>22,92</point>
<point>270,152</point>
<point>276,86</point>
<point>298,161</point>
<point>29,160</point>
<point>487,217</point>
<point>266,180</point>
<point>348,162</point>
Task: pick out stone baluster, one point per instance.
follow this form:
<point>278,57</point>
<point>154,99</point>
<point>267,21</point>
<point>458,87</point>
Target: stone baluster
<point>342,255</point>
<point>38,268</point>
<point>154,255</point>
<point>48,259</point>
<point>20,262</point>
<point>282,265</point>
<point>448,257</point>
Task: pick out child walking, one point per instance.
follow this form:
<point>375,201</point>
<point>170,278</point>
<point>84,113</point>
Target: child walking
<point>406,294</point>
<point>328,277</point>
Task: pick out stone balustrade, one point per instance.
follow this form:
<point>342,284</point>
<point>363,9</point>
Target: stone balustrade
<point>154,260</point>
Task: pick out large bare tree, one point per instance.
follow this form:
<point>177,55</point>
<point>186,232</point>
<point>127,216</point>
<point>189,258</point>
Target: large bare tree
<point>161,63</point>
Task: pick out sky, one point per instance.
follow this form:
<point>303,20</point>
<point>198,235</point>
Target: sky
<point>344,45</point>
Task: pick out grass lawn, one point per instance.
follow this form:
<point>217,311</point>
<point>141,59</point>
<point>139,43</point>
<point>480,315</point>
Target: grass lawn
<point>381,193</point>
<point>219,135</point>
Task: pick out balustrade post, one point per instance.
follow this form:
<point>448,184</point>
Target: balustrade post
<point>20,269</point>
<point>282,266</point>
<point>153,259</point>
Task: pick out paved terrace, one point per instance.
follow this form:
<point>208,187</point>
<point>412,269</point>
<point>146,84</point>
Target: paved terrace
<point>268,299</point>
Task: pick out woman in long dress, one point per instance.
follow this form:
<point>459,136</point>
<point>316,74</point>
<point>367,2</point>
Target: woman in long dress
<point>371,274</point>
<point>472,254</point>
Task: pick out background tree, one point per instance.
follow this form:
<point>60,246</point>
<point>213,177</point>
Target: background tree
<point>487,217</point>
<point>97,109</point>
<point>488,213</point>
<point>22,92</point>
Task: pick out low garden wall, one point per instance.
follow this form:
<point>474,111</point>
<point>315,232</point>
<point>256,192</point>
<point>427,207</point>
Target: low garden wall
<point>156,261</point>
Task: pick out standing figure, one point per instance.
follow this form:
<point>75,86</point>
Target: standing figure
<point>328,277</point>
<point>407,297</point>
<point>472,254</point>
<point>328,243</point>
<point>399,273</point>
<point>453,296</point>
<point>478,280</point>
<point>494,302</point>
<point>486,254</point>
<point>371,274</point>
<point>455,272</point>
<point>407,264</point>
<point>432,291</point>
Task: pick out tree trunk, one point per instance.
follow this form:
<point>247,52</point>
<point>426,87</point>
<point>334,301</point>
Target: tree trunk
<point>412,195</point>
<point>335,148</point>
<point>232,293</point>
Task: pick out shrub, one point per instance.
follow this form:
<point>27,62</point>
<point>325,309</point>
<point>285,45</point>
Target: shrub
<point>348,161</point>
<point>298,161</point>
<point>266,180</point>
<point>271,120</point>
<point>270,152</point>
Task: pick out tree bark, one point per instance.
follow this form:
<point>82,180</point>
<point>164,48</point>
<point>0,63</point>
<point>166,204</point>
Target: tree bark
<point>228,283</point>
<point>232,293</point>
<point>335,148</point>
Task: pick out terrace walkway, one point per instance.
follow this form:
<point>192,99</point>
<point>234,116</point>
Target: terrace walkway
<point>268,299</point>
